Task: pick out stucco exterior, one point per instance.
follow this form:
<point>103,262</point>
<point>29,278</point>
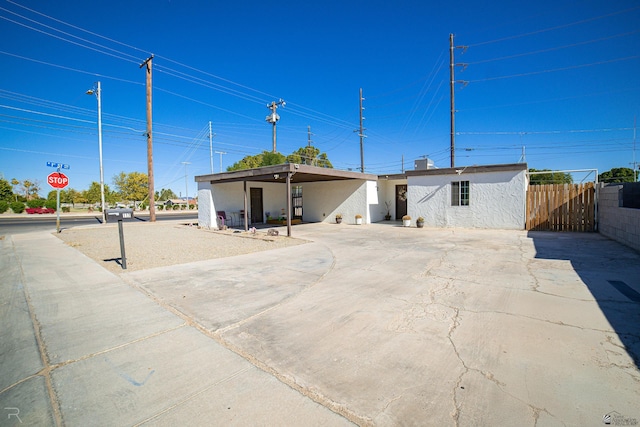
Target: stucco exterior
<point>497,199</point>
<point>497,195</point>
<point>321,200</point>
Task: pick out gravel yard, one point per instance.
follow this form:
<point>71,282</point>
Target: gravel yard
<point>150,245</point>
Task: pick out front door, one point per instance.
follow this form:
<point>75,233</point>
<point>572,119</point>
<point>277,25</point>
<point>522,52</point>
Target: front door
<point>401,201</point>
<point>255,195</point>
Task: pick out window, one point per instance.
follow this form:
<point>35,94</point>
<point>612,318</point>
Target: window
<point>296,201</point>
<point>460,193</point>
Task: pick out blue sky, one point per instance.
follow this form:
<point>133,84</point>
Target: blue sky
<point>558,78</point>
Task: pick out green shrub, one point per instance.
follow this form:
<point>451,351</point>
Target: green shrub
<point>4,206</point>
<point>66,209</point>
<point>192,206</point>
<point>160,207</point>
<point>50,204</point>
<point>36,203</point>
<point>143,207</point>
<point>176,207</point>
<point>17,207</point>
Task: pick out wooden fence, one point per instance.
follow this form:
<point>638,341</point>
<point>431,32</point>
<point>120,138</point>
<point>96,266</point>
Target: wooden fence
<point>561,207</point>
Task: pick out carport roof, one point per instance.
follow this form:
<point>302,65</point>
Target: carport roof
<point>278,173</point>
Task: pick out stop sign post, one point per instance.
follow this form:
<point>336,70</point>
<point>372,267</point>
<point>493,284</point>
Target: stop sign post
<point>58,180</point>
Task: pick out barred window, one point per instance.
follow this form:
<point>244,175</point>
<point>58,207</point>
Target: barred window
<point>460,193</point>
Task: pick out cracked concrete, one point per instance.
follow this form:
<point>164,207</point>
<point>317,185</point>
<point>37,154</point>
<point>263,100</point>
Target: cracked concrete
<point>375,325</point>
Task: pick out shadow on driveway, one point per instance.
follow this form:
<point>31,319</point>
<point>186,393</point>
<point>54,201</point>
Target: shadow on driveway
<point>610,271</point>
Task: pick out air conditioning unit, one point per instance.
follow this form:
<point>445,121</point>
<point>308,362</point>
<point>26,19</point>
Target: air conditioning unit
<point>423,164</point>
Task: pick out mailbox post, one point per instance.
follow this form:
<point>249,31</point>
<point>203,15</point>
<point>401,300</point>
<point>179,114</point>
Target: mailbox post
<point>120,215</point>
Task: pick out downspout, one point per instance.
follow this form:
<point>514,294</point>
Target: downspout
<point>246,210</point>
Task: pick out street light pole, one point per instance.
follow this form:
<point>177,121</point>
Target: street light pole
<point>98,93</point>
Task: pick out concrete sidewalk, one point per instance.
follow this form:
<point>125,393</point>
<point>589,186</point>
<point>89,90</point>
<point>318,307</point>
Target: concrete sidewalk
<point>81,347</point>
<point>374,324</point>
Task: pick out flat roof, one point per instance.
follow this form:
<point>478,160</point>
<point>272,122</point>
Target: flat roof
<point>305,173</point>
<point>278,173</point>
<point>468,169</point>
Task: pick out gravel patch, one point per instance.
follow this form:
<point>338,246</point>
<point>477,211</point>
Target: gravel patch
<point>151,245</point>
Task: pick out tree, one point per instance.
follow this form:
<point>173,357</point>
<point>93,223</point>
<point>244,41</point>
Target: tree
<point>305,155</point>
<point>549,178</point>
<point>92,194</point>
<point>69,195</point>
<point>309,155</point>
<point>30,188</point>
<point>271,159</point>
<point>6,191</point>
<point>26,187</point>
<point>266,158</point>
<point>133,186</point>
<point>15,183</point>
<point>165,194</point>
<point>618,175</point>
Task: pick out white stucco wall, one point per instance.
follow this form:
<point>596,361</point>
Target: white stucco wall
<point>387,193</point>
<point>229,197</point>
<point>206,210</point>
<point>323,200</point>
<point>497,200</point>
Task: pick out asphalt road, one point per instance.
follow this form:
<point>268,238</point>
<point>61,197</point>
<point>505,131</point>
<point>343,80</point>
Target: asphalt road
<point>30,223</point>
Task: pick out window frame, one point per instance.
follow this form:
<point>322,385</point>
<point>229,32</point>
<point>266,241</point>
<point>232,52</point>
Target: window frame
<point>460,193</point>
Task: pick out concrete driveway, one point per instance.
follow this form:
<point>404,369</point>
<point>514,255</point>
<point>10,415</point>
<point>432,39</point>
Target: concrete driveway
<point>374,324</point>
<point>394,326</point>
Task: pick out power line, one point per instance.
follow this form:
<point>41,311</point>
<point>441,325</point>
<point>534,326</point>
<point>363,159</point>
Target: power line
<point>555,69</point>
<point>69,68</point>
<point>518,55</point>
<point>75,27</point>
<point>554,28</point>
<point>63,39</point>
<point>543,131</point>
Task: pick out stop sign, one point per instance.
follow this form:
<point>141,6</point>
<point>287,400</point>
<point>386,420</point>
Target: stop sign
<point>57,180</point>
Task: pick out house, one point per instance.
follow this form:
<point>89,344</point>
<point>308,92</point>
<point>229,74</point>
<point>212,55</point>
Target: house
<point>182,201</point>
<point>479,196</point>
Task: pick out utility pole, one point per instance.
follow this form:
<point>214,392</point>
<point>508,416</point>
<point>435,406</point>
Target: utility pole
<point>152,203</point>
<point>186,183</point>
<point>313,161</point>
<point>221,153</point>
<point>273,118</point>
<point>210,146</point>
<point>452,83</point>
<point>635,164</point>
<point>361,134</point>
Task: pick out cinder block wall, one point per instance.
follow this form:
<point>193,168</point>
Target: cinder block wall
<point>615,222</point>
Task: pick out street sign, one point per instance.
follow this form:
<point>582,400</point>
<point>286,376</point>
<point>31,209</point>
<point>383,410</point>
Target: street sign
<point>58,165</point>
<point>57,180</point>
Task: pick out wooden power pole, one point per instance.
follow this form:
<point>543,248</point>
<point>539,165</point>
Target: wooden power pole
<point>152,205</point>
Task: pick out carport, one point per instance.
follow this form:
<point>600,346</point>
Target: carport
<point>287,174</point>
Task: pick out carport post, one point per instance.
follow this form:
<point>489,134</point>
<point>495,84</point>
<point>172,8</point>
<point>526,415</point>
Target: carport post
<point>246,211</point>
<point>288,204</point>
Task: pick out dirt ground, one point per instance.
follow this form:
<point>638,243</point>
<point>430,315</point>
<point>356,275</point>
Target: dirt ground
<point>150,245</point>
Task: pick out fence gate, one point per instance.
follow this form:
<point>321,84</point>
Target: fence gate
<point>561,207</point>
